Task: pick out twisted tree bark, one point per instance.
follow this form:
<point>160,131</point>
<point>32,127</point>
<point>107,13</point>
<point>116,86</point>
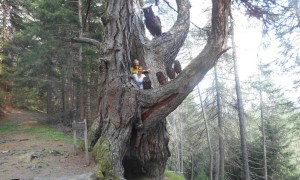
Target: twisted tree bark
<point>120,149</point>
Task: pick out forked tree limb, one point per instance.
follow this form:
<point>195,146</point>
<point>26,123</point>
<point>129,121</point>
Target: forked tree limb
<point>166,98</point>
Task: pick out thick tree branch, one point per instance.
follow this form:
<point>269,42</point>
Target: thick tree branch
<point>87,41</point>
<point>169,43</point>
<point>166,98</point>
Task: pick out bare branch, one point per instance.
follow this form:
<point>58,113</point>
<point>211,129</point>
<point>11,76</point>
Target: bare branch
<point>168,3</point>
<point>87,41</point>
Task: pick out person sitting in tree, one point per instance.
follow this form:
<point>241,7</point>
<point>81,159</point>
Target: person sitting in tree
<point>139,77</point>
<point>135,65</point>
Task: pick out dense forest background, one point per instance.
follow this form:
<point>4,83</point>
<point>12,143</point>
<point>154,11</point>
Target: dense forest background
<point>42,69</point>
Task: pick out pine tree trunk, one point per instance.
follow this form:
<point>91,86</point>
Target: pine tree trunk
<point>221,126</point>
<point>263,129</point>
<point>211,158</point>
<point>177,146</point>
<point>217,165</point>
<point>49,106</point>
<point>67,83</point>
<point>81,71</point>
<point>181,147</point>
<point>5,22</point>
<point>240,110</point>
<point>88,102</point>
<point>192,168</point>
<point>6,32</point>
<point>63,100</point>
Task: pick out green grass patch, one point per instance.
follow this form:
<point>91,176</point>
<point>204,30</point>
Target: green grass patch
<point>173,176</point>
<point>48,132</point>
<point>8,127</point>
<point>41,130</point>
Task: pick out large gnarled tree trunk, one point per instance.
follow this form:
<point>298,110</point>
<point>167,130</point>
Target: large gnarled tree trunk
<point>118,151</point>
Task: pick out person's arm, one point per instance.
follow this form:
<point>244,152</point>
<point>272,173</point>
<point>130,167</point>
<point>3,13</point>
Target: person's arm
<point>146,71</point>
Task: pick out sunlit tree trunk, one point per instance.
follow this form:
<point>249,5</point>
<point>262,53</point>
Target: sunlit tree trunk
<point>240,109</point>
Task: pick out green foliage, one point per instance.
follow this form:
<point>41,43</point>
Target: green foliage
<point>189,113</point>
<point>173,175</point>
<point>37,53</point>
<point>56,12</point>
<point>202,175</point>
<point>279,155</point>
<point>44,65</point>
<point>278,118</point>
<point>27,98</point>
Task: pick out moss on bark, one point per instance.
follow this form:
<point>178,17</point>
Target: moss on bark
<point>101,153</point>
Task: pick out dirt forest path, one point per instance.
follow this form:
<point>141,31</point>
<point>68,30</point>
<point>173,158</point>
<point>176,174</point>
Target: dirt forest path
<point>28,155</point>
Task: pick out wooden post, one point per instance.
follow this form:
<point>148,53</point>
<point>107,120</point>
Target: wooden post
<point>81,126</point>
<point>74,138</point>
<point>87,159</point>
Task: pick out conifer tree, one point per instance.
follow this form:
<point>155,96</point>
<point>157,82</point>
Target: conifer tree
<point>278,123</point>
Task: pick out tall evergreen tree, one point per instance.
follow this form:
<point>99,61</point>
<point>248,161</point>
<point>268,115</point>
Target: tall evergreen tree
<point>278,123</point>
<point>240,107</point>
<point>46,66</point>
